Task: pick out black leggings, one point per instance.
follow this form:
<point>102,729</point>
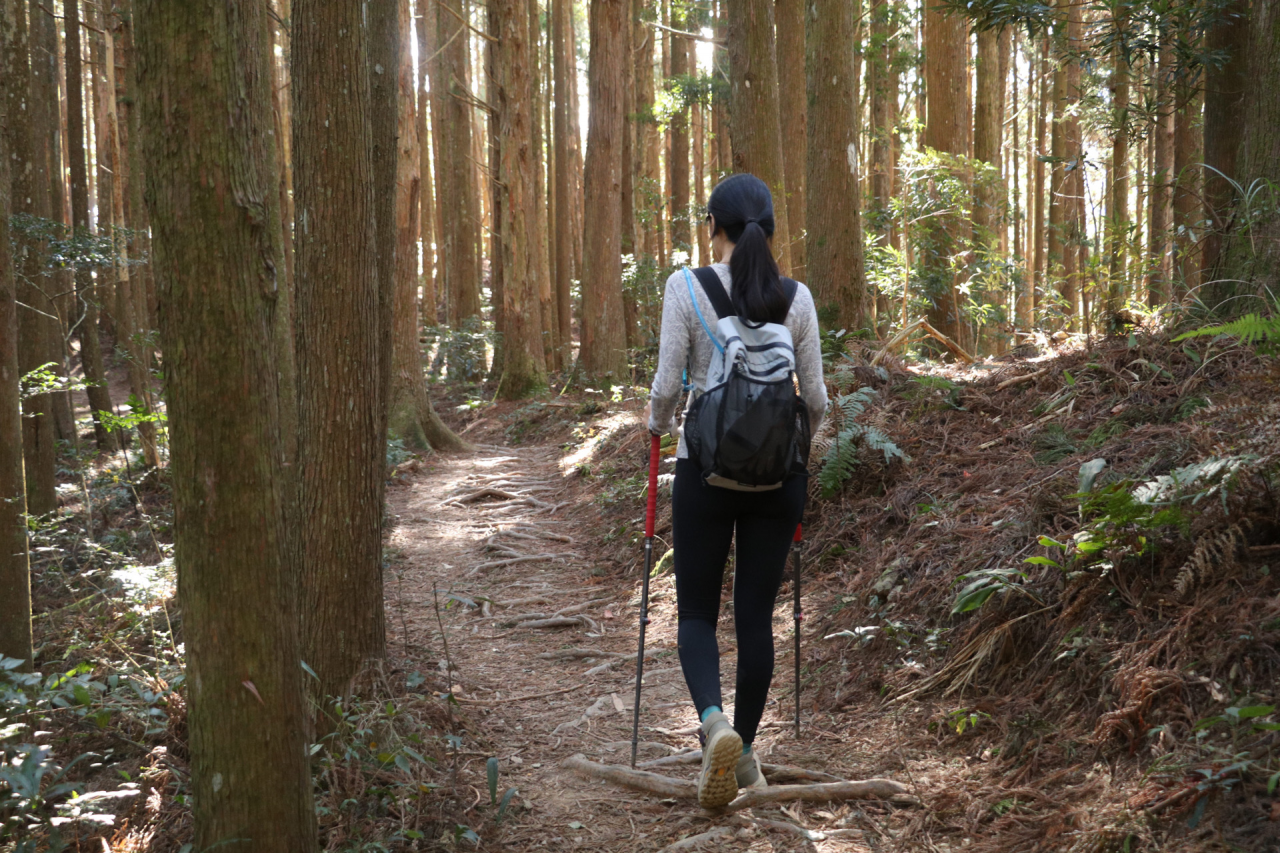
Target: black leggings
<point>703,522</point>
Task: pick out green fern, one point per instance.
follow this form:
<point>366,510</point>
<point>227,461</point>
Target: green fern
<point>1249,329</point>
<point>842,457</point>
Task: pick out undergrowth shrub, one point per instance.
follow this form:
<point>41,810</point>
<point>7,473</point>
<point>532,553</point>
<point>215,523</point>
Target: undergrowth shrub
<point>842,456</point>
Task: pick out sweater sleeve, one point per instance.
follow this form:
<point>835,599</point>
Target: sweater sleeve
<point>673,353</point>
<point>808,343</point>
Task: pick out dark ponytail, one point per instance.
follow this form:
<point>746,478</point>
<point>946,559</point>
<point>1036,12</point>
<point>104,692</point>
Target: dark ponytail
<point>743,209</point>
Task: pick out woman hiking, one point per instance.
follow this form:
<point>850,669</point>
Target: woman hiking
<point>705,516</point>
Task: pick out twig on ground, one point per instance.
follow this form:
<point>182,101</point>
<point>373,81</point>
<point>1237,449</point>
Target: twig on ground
<point>1018,380</point>
<point>510,699</point>
<point>642,780</point>
<point>694,841</point>
<point>826,792</point>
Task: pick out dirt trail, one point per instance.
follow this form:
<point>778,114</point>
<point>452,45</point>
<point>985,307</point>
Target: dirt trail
<point>536,696</point>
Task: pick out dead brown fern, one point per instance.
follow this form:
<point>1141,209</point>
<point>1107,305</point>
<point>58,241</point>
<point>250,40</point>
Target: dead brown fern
<point>1215,554</point>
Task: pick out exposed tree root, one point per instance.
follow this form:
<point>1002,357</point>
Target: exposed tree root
<point>827,792</point>
<point>512,699</point>
<point>774,773</point>
<point>695,841</point>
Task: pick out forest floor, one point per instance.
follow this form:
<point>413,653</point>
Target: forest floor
<point>1117,692</point>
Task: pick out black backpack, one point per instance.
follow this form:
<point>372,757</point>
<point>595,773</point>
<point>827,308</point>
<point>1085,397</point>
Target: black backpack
<point>749,429</point>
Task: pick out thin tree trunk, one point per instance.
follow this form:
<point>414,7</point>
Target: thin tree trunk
<point>562,227</point>
<point>424,26</point>
<point>410,416</point>
<point>103,97</point>
<point>792,110</point>
<point>15,572</point>
<point>1160,271</point>
<point>1188,154</point>
<point>678,130</point>
<point>537,215</point>
<point>1058,185</point>
<point>210,152</point>
<point>27,186</point>
<point>46,114</point>
<point>988,190</point>
<point>754,112</point>
<point>698,123</point>
<point>1225,85</point>
<point>882,101</point>
<point>947,131</point>
<point>1118,226</point>
<point>1073,183</point>
<point>628,200</point>
<point>1041,281</point>
<point>458,230</point>
<point>604,350</point>
<point>85,318</point>
<point>835,225</point>
<point>341,409</point>
<point>1024,297</point>
<point>511,93</point>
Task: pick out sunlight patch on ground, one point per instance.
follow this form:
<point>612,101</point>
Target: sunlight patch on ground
<point>602,431</point>
<point>147,588</point>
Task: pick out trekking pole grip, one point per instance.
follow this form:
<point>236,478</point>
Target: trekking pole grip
<point>651,511</point>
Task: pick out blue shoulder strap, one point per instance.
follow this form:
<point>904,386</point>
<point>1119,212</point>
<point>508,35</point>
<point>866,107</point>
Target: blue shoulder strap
<point>694,298</point>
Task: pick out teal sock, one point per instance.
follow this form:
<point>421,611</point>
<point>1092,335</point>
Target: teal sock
<point>746,749</point>
<point>712,709</point>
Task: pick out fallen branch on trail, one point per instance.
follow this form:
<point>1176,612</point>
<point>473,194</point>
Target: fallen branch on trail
<point>695,841</point>
<point>923,325</point>
<point>1018,380</point>
<point>580,654</point>
<point>825,792</point>
<point>656,783</point>
<point>562,622</point>
<point>510,561</point>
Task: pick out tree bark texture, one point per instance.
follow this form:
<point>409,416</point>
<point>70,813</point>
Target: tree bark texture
<point>756,130</point>
<point>1118,226</point>
<point>789,18</point>
<point>1160,262</point>
<point>883,102</point>
<point>1073,178</point>
<point>1251,256</point>
<point>604,341</point>
<point>678,128</point>
<point>15,572</point>
<point>989,191</point>
<point>537,220</point>
<point>46,72</point>
<point>524,363</point>
<point>29,193</point>
<point>946,46</point>
<point>204,80</point>
<point>1041,280</point>
<point>834,250</point>
<point>1224,122</point>
<point>85,316</point>
<point>1188,154</point>
<point>338,301</point>
<point>424,25</point>
<point>459,231</point>
<point>562,226</point>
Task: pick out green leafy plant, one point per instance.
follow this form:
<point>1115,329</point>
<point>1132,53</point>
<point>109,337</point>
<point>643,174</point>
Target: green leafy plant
<point>842,457</point>
<point>1250,329</point>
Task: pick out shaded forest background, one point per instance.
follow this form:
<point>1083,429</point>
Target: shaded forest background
<point>256,240</point>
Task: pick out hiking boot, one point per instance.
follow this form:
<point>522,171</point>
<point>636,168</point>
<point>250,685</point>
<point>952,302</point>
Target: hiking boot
<point>718,783</point>
<point>749,773</point>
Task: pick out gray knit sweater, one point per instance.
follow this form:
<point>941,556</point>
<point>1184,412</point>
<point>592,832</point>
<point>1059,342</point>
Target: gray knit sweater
<point>685,342</point>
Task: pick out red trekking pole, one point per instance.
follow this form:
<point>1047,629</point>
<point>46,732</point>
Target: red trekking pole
<point>795,553</point>
<point>650,513</point>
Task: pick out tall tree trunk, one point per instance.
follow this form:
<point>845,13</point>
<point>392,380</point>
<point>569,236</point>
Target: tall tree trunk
<point>86,313</point>
<point>628,200</point>
<point>947,131</point>
<point>213,189</point>
<point>1041,280</point>
<point>1118,226</point>
<point>410,416</point>
<point>1250,259</point>
<point>1059,189</point>
<point>46,120</point>
<point>883,100</point>
<point>511,94</point>
<point>678,128</point>
<point>989,192</point>
<point>604,350</point>
<point>15,571</point>
<point>341,409</point>
<point>789,16</point>
<point>537,220</point>
<point>1158,284</point>
<point>1225,85</point>
<point>1073,178</point>
<point>698,128</point>
<point>645,155</point>
<point>28,189</point>
<point>424,31</point>
<point>562,227</point>
<point>1188,154</point>
<point>753,109</point>
<point>99,18</point>
<point>129,330</point>
<point>835,224</point>
<point>458,233</point>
